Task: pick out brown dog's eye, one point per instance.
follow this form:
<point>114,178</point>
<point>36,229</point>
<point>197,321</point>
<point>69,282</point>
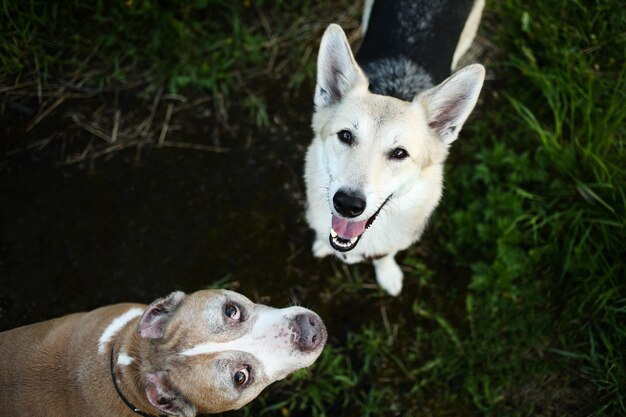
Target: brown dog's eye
<point>242,376</point>
<point>232,312</point>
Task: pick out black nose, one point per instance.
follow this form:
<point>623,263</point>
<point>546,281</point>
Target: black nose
<point>348,205</point>
<point>312,331</point>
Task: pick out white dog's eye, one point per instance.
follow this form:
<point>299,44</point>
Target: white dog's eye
<point>345,136</point>
<point>242,376</point>
<point>398,153</point>
<point>232,312</point>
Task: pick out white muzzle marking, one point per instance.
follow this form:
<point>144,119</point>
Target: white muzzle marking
<point>272,340</point>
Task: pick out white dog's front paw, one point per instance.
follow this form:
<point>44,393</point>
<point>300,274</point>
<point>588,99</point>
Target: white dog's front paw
<point>321,249</point>
<point>389,275</point>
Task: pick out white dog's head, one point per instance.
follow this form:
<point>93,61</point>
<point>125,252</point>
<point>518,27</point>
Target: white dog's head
<point>376,147</point>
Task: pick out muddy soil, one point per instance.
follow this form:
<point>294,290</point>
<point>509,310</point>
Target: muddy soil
<point>133,229</point>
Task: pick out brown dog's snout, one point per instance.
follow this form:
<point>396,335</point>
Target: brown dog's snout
<point>312,331</point>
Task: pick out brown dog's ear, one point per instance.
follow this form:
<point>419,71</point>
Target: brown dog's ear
<point>156,316</point>
<point>165,397</point>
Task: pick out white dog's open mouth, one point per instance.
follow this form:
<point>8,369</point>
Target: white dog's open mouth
<point>345,234</point>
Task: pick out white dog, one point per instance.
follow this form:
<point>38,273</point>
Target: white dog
<point>374,171</point>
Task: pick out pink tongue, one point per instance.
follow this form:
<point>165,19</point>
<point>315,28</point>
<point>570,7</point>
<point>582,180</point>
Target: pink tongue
<point>346,229</point>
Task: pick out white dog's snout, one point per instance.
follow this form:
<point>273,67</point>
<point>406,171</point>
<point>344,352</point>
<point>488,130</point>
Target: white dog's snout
<point>349,204</point>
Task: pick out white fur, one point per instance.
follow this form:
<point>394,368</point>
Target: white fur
<point>116,325</point>
<point>469,32</point>
<point>339,57</point>
<point>389,275</point>
<point>367,11</point>
<point>124,359</point>
<point>379,124</point>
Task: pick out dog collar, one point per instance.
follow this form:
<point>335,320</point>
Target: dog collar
<point>123,398</point>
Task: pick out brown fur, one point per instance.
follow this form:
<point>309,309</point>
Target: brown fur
<point>45,364</point>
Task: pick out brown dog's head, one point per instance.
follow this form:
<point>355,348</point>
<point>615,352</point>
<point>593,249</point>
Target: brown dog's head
<point>213,351</point>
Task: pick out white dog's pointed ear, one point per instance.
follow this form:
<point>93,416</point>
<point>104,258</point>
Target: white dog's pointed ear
<point>450,103</point>
<point>337,70</point>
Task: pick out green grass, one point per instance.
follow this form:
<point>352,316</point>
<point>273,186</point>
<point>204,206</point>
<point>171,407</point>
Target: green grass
<point>516,300</point>
<point>561,255</point>
<point>191,47</point>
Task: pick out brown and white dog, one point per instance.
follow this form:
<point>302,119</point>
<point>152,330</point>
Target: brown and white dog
<point>205,352</point>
